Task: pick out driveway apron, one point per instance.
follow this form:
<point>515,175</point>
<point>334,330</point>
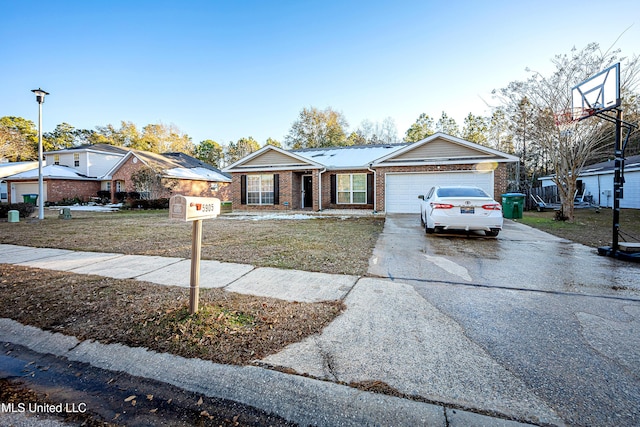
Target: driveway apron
<point>560,319</point>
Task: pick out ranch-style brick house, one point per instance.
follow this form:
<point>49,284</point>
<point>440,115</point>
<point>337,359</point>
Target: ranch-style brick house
<point>386,177</point>
<point>81,172</point>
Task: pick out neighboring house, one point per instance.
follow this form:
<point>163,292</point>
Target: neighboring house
<point>8,169</point>
<point>387,177</point>
<point>83,171</point>
<point>184,175</point>
<point>595,183</point>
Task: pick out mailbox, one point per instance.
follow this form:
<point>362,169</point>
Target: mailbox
<point>185,208</point>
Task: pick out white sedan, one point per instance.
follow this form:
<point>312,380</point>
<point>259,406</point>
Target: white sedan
<point>460,208</point>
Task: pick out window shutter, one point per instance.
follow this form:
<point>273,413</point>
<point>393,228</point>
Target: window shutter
<point>370,194</point>
<point>243,189</point>
<point>276,189</point>
<point>333,189</point>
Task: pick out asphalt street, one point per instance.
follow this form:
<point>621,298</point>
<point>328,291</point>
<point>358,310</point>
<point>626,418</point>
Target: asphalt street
<point>553,313</point>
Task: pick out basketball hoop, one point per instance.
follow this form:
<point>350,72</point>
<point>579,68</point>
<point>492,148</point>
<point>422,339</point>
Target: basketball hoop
<point>565,121</point>
<point>569,117</point>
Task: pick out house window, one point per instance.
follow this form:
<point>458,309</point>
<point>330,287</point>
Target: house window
<point>76,159</point>
<point>56,159</point>
<point>352,188</point>
<point>260,190</point>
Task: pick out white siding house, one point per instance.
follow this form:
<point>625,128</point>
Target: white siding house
<point>91,161</point>
<point>597,182</point>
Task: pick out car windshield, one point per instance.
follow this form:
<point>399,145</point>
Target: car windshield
<point>461,192</point>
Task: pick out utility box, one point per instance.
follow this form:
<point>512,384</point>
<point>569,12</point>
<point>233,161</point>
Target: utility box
<point>13,216</point>
<point>65,213</point>
<point>185,208</point>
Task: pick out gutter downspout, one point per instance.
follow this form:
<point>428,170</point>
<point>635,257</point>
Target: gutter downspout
<point>320,188</point>
<point>374,187</point>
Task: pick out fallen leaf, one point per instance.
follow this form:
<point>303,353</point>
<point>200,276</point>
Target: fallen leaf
<point>149,396</point>
<point>130,398</point>
<point>200,401</point>
<point>153,411</point>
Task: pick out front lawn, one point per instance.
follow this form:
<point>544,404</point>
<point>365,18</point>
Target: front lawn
<point>591,228</point>
<point>326,244</point>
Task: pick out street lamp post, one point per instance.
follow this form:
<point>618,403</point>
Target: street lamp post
<point>40,99</point>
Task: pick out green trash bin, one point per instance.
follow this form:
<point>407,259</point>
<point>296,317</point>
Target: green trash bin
<point>512,205</point>
<point>30,198</point>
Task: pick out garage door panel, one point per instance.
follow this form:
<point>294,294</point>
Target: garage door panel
<point>402,190</point>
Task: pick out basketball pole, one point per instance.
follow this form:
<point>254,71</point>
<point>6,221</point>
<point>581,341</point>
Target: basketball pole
<point>617,183</point>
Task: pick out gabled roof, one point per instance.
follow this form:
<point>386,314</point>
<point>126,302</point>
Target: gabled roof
<point>350,157</point>
<point>50,172</point>
<point>175,165</point>
<point>441,148</point>
<point>273,158</point>
<point>98,148</point>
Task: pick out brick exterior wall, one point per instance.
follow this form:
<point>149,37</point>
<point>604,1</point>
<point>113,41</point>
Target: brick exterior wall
<point>290,191</point>
<point>290,186</point>
<point>326,191</point>
<point>60,189</point>
<point>123,174</point>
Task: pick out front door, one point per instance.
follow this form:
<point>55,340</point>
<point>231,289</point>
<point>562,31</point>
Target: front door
<point>307,191</point>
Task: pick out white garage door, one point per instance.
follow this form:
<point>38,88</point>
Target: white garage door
<point>402,189</point>
<point>18,189</point>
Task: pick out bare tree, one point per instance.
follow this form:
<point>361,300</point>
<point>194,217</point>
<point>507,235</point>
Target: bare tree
<point>569,144</point>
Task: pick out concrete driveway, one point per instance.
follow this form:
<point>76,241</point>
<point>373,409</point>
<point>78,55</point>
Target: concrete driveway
<point>558,317</point>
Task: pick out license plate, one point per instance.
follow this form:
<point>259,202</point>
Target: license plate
<point>467,210</point>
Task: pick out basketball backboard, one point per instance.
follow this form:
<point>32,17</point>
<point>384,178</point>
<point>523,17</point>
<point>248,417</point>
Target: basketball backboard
<point>597,94</point>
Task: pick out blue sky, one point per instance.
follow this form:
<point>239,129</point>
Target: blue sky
<point>224,70</point>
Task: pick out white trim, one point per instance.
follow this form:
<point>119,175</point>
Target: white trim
<point>267,169</point>
<point>308,164</point>
<point>122,162</point>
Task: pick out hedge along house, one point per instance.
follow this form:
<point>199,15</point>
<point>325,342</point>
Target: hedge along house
<point>81,172</point>
<point>387,177</point>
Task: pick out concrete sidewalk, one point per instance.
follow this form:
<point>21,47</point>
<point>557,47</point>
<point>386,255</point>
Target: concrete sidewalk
<point>291,285</point>
<point>376,339</point>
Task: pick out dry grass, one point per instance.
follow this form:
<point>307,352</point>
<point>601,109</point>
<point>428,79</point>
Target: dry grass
<point>330,245</point>
<point>590,227</point>
<point>229,328</point>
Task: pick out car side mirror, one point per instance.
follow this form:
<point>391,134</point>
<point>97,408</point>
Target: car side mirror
<point>421,197</point>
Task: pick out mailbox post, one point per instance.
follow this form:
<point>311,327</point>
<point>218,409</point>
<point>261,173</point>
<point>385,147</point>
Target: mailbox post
<point>185,208</point>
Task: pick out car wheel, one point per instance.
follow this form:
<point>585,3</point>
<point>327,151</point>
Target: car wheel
<point>438,229</point>
<point>493,233</point>
<point>427,229</point>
